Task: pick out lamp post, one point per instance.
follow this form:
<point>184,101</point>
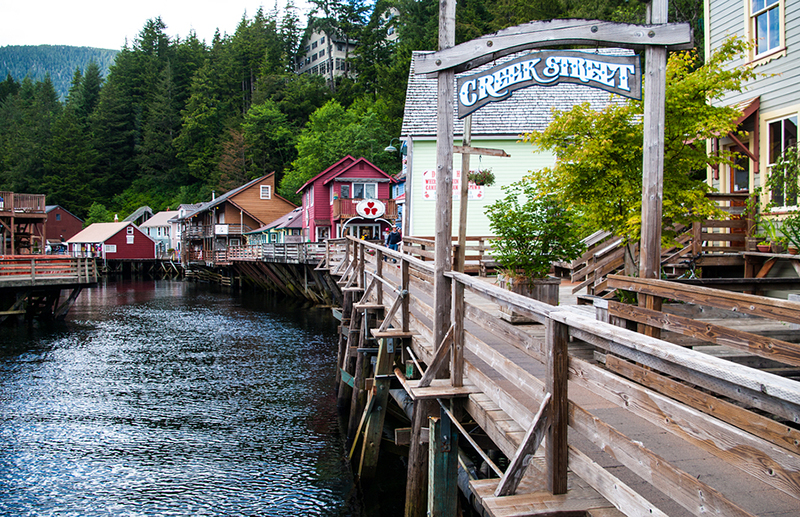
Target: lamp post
<point>390,148</point>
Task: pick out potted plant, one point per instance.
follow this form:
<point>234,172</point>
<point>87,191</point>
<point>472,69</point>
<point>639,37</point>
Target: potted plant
<point>532,231</point>
<point>482,177</point>
<point>790,228</point>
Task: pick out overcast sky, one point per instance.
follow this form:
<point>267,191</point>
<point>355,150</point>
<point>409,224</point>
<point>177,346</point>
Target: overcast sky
<point>106,23</point>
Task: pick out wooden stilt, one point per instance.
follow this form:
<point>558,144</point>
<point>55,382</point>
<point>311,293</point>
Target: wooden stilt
<point>417,476</point>
<point>374,429</point>
<point>442,467</point>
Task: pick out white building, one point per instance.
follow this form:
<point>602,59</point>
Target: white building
<point>163,231</point>
<point>325,55</point>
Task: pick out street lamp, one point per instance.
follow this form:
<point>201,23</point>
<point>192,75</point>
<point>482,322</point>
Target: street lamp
<point>390,148</point>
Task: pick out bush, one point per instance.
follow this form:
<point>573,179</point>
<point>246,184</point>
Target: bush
<point>532,231</point>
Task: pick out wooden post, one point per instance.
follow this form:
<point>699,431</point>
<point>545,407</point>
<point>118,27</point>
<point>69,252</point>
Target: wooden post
<point>417,476</point>
<point>556,453</point>
<point>374,427</point>
<point>444,176</point>
<point>360,279</point>
<point>457,354</point>
<point>405,308</point>
<point>463,198</point>
<point>653,148</point>
<point>442,467</point>
<point>379,272</point>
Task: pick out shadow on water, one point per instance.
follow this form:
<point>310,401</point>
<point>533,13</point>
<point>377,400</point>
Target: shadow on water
<point>171,398</point>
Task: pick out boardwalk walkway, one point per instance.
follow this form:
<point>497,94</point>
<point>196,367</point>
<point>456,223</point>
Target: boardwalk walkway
<point>635,424</point>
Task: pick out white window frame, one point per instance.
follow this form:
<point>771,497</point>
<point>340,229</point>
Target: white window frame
<point>784,145</point>
<point>266,191</point>
<point>129,239</point>
<point>751,21</point>
<point>109,248</point>
<point>365,185</point>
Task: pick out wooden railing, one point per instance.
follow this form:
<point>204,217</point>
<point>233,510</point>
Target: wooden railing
<point>289,253</point>
<point>22,203</point>
<point>477,259</point>
<point>198,231</point>
<point>667,387</point>
<point>346,208</point>
<point>46,270</point>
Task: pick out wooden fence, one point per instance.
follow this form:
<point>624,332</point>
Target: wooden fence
<point>520,386</point>
<point>32,270</point>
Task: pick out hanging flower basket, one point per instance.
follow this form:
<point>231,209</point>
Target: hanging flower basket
<point>482,177</point>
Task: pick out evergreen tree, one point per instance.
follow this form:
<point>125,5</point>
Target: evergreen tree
<point>68,164</point>
<point>8,88</point>
<point>269,138</point>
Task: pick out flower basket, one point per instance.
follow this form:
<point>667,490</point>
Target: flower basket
<point>481,178</point>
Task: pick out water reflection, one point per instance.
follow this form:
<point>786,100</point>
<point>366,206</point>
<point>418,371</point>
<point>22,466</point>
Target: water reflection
<point>167,399</point>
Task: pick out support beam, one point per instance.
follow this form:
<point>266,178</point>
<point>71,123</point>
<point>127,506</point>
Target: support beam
<point>556,450</point>
<point>533,438</point>
<point>443,467</point>
<point>444,176</point>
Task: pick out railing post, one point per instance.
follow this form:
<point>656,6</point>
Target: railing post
<point>405,309</point>
<point>556,452</point>
<point>457,353</point>
<point>33,270</point>
<point>379,272</point>
<point>360,278</point>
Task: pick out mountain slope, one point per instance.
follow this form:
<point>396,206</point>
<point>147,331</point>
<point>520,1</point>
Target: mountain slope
<point>60,61</point>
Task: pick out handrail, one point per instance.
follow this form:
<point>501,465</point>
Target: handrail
<point>766,391</point>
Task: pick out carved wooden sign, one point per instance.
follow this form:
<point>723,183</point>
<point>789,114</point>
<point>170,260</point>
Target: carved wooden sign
<point>617,74</point>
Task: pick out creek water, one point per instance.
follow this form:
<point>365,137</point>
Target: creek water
<point>167,398</point>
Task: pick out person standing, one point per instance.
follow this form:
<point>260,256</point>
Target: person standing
<point>394,239</point>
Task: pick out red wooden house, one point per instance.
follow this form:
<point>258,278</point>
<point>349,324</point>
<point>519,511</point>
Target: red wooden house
<point>61,224</point>
<point>113,241</point>
<point>351,197</point>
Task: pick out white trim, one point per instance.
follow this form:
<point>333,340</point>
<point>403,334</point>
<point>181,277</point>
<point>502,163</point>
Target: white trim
<point>265,191</point>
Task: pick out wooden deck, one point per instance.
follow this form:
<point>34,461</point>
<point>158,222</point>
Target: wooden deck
<point>46,270</point>
<point>31,285</point>
<point>635,424</point>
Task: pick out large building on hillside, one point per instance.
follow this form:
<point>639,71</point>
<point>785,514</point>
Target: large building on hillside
<point>325,55</point>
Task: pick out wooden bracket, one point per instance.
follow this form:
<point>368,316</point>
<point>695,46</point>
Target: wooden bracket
<point>439,359</point>
<point>533,438</point>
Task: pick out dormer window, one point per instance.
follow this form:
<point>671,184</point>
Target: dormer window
<point>266,191</point>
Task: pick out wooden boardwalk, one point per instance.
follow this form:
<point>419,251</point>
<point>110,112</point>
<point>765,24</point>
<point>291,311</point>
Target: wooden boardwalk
<point>31,285</point>
<point>633,424</point>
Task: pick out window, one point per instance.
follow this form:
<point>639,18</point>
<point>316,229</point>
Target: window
<point>129,239</point>
<point>782,138</point>
<point>339,47</point>
<point>365,190</point>
<point>765,25</point>
<point>321,52</point>
<point>110,248</point>
<point>266,191</point>
<point>345,192</point>
<point>130,230</point>
<point>58,217</point>
<point>322,40</point>
<point>314,45</point>
<point>311,195</point>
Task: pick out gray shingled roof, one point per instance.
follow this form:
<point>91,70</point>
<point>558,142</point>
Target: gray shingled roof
<point>526,110</point>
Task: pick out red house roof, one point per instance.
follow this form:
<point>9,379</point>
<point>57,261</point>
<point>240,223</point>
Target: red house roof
<point>341,167</point>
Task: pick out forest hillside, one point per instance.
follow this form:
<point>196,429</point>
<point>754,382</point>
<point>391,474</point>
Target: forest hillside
<point>60,61</point>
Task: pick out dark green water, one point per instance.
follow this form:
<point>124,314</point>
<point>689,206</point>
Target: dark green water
<point>165,398</point>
